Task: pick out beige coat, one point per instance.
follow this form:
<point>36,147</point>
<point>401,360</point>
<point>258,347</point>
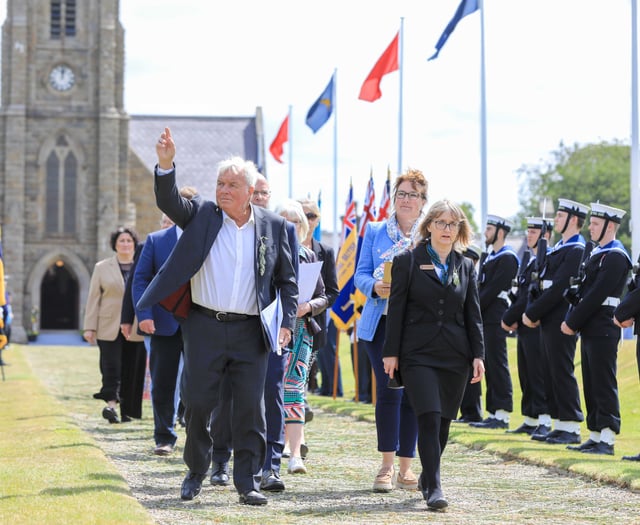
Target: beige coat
<point>104,302</point>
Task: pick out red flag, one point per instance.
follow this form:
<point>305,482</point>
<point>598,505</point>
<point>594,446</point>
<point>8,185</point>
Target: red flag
<point>278,142</point>
<point>387,63</point>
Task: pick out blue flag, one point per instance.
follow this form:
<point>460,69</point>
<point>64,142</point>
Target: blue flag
<point>465,8</point>
<point>322,108</point>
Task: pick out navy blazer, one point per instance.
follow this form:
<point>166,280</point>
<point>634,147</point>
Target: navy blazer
<point>423,313</point>
<point>155,252</point>
<point>201,221</point>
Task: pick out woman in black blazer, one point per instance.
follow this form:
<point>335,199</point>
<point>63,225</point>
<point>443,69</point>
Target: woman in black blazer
<point>434,333</point>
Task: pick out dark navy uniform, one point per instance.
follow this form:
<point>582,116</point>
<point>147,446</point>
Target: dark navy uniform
<point>529,349</point>
<point>629,308</point>
<point>496,274</point>
<point>562,263</point>
<point>594,300</point>
<point>606,274</point>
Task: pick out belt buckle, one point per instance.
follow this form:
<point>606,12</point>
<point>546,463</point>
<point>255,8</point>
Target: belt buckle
<point>220,316</point>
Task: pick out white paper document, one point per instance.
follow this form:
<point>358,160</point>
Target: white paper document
<point>272,321</point>
<point>308,274</point>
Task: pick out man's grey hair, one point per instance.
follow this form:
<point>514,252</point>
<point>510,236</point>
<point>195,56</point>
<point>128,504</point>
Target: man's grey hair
<point>238,165</point>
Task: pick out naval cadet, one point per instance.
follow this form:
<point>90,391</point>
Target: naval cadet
<point>593,300</point>
<point>625,315</point>
<point>547,308</point>
<point>529,348</point>
<point>497,272</point>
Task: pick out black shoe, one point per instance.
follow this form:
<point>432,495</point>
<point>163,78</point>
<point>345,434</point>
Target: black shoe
<point>436,501</point>
<point>191,486</point>
<point>632,458</point>
<point>468,419</point>
<point>589,443</point>
<point>304,450</point>
<point>523,429</point>
<point>308,413</point>
<point>600,448</point>
<point>490,422</point>
<point>220,474</point>
<point>271,482</point>
<point>541,432</point>
<point>110,415</point>
<point>125,418</point>
<point>253,497</point>
<point>562,437</point>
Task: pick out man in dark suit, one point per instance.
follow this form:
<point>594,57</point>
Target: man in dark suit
<point>164,331</point>
<point>273,392</point>
<point>228,266</point>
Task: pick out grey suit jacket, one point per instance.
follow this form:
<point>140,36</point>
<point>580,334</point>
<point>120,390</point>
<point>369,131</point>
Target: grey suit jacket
<point>201,221</point>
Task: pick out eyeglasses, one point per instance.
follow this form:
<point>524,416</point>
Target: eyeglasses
<point>311,216</point>
<point>451,226</point>
<point>414,195</point>
<point>259,193</point>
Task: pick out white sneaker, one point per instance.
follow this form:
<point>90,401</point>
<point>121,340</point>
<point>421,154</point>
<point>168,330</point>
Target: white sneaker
<point>296,466</point>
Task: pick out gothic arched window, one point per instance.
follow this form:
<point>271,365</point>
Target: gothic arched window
<point>61,189</point>
<point>63,18</point>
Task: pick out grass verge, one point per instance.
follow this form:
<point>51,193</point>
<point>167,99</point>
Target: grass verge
<point>50,471</point>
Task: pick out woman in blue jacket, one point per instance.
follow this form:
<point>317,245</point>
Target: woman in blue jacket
<point>395,421</point>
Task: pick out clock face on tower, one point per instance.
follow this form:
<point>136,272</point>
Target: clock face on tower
<point>62,78</point>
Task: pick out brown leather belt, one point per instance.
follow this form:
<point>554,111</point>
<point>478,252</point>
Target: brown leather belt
<point>223,317</point>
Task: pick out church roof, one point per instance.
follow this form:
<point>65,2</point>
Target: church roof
<point>201,142</point>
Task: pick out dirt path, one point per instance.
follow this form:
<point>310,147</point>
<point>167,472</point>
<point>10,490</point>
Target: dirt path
<point>342,462</point>
<point>480,487</point>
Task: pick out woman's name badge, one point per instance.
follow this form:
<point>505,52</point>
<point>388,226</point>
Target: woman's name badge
<point>427,267</point>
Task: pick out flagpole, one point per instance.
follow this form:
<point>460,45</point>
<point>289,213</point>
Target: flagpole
<point>290,136</point>
<point>400,107</point>
<point>635,164</point>
<point>335,162</point>
<point>483,124</point>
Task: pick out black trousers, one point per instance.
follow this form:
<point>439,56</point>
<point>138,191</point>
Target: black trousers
<point>531,366</point>
<point>274,415</point>
<point>563,395</point>
<point>600,386</point>
<point>433,434</point>
<point>122,365</point>
<point>499,395</point>
<point>214,350</point>
<point>164,363</point>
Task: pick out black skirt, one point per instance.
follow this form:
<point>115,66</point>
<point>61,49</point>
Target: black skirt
<point>435,380</point>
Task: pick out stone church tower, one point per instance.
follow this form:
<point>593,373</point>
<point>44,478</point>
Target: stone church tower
<point>63,152</point>
<point>70,155</point>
